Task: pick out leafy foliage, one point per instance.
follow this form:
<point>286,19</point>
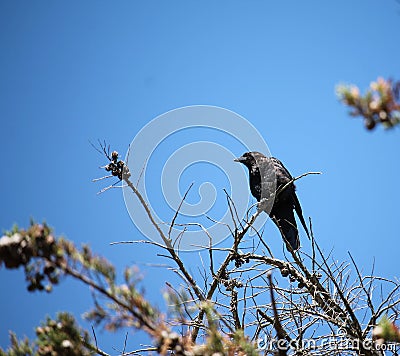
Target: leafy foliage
<point>379,105</point>
<point>386,331</point>
<point>45,259</point>
<point>60,337</point>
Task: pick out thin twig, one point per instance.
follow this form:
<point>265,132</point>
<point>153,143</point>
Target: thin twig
<point>178,209</point>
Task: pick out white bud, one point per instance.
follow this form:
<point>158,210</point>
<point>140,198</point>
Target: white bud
<point>66,344</point>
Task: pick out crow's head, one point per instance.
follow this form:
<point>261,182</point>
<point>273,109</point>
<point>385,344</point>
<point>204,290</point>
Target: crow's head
<point>250,159</point>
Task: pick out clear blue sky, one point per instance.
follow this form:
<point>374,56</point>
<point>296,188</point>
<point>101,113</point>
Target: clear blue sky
<point>76,71</point>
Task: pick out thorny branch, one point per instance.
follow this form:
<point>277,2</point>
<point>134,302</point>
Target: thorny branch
<point>321,299</point>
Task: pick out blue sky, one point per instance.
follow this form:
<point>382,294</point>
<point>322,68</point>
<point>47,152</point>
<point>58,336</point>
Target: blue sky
<point>78,71</point>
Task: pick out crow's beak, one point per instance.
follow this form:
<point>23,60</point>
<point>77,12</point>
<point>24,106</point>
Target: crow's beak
<point>239,159</point>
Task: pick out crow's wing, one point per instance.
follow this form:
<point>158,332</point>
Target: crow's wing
<point>282,174</point>
<point>283,177</point>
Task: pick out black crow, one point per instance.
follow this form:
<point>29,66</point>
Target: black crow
<point>268,184</point>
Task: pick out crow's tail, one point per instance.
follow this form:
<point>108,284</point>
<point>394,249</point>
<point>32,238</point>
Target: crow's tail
<point>299,213</point>
<point>284,219</point>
